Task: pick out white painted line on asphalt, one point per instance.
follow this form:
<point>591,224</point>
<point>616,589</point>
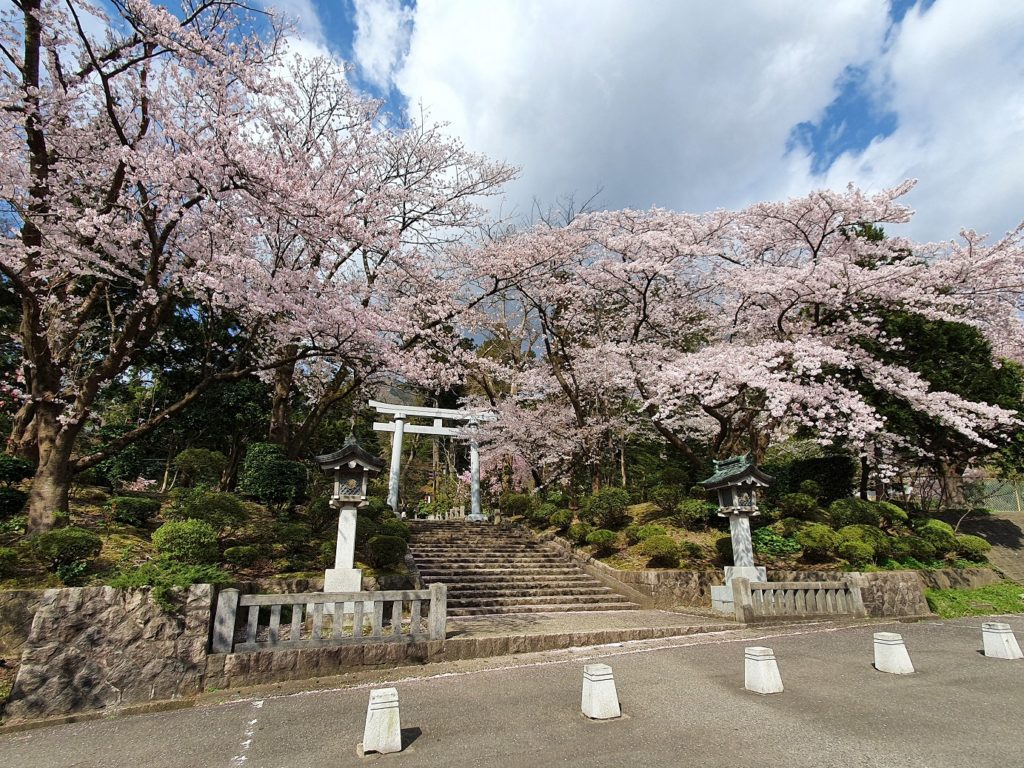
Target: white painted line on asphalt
<point>250,735</point>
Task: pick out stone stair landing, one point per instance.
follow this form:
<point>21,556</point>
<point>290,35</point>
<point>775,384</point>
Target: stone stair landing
<point>491,570</point>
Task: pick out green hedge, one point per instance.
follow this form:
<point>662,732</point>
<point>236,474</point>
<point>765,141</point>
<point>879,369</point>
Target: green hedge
<point>386,551</point>
<point>662,552</point>
<point>191,542</point>
<point>132,510</point>
<point>67,546</point>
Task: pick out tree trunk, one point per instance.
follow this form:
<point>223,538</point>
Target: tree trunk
<point>865,474</point>
<point>280,410</point>
<point>52,482</point>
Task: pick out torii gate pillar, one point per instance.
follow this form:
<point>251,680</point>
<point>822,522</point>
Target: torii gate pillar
<point>395,474</point>
<point>475,512</point>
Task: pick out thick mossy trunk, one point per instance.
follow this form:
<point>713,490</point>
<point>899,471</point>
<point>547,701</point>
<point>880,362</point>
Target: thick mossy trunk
<point>48,499</point>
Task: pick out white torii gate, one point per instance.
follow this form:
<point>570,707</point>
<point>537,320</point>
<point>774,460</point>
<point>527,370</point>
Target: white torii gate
<point>401,413</point>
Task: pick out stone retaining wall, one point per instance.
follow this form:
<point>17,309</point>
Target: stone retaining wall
<point>17,607</point>
<point>100,647</point>
<point>885,593</point>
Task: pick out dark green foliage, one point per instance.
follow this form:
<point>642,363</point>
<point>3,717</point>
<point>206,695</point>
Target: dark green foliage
<point>905,548</point>
<point>811,488</point>
<point>517,504</point>
<point>14,469</point>
<point>164,576</point>
<point>561,519</point>
<point>366,528</point>
<point>892,516</point>
<point>662,551</point>
<point>698,492</point>
<point>666,497</point>
<point>242,556</point>
<point>385,551</point>
<point>833,477</point>
<point>939,534</point>
<point>192,542</point>
<point>636,533</point>
<point>221,510</point>
<point>293,536</point>
<point>768,542</point>
<point>874,537</point>
<point>693,514</point>
<point>541,515</point>
<point>8,561</point>
<point>124,466</point>
<point>12,502</point>
<point>817,541</point>
<point>132,510</point>
<point>327,551</point>
<point>788,526</point>
<point>67,546</point>
<point>800,506</point>
<point>723,546</point>
<point>200,465</point>
<point>320,516</point>
<point>857,553</point>
<point>843,512</point>
<point>376,509</point>
<point>578,532</point>
<point>268,476</point>
<point>607,508</point>
<point>973,548</point>
<point>603,540</point>
<point>394,527</point>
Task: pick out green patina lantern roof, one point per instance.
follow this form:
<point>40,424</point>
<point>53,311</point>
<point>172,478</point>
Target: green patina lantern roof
<point>736,470</point>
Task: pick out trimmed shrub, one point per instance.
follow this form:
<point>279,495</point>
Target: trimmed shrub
<point>385,551</point>
<point>12,502</point>
<point>132,510</point>
<point>320,515</point>
<point>858,553</point>
<point>607,508</point>
<point>67,546</point>
<point>939,534</point>
<point>14,469</point>
<point>217,508</point>
<point>268,476</point>
<point>693,514</point>
<point>911,547</point>
<point>376,509</point>
<point>811,488</point>
<point>844,512</point>
<point>666,497</point>
<point>192,542</point>
<point>513,504</point>
<point>561,520</point>
<point>394,527</point>
<point>8,562</point>
<point>200,465</point>
<point>723,546</point>
<point>876,538</point>
<point>603,540</point>
<point>817,541</point>
<point>242,556</point>
<point>578,532</point>
<point>973,548</point>
<point>892,516</point>
<point>541,514</point>
<point>788,526</point>
<point>165,576</point>
<point>662,551</point>
<point>636,533</point>
<point>366,529</point>
<point>800,506</point>
<point>768,542</point>
<point>293,536</point>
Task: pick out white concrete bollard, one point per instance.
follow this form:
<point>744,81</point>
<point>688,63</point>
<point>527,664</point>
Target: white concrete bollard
<point>891,654</point>
<point>383,731</point>
<point>761,670</point>
<point>999,641</point>
<point>600,700</point>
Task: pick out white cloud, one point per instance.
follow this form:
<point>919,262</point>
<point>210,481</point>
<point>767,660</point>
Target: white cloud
<point>381,37</point>
<point>307,38</point>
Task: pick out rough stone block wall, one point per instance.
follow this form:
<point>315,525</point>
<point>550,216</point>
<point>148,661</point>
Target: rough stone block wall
<point>958,578</point>
<point>99,647</point>
<point>17,607</point>
<point>885,593</point>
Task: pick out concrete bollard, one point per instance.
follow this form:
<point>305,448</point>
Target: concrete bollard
<point>761,670</point>
<point>999,641</point>
<point>383,731</point>
<point>891,654</point>
<point>600,700</point>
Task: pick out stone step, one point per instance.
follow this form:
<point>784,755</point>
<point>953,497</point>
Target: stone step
<point>565,608</point>
<point>475,602</point>
<point>440,574</point>
<point>486,559</point>
<point>461,592</point>
<point>484,582</point>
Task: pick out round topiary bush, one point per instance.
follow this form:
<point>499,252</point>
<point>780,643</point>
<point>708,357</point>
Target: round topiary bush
<point>132,510</point>
<point>394,527</point>
<point>540,516</point>
<point>637,533</point>
<point>242,556</point>
<point>874,537</point>
<point>366,528</point>
<point>603,540</point>
<point>857,553</point>
<point>517,504</point>
<point>693,514</point>
<point>221,510</point>
<point>561,519</point>
<point>892,516</point>
<point>578,532</point>
<point>268,476</point>
<point>817,541</point>
<point>385,551</point>
<point>607,508</point>
<point>12,502</point>
<point>193,542</point>
<point>200,465</point>
<point>665,498</point>
<point>8,562</point>
<point>67,546</point>
<point>905,548</point>
<point>844,512</point>
<point>972,548</point>
<point>723,546</point>
<point>800,506</point>
<point>788,526</point>
<point>662,551</point>
<point>939,534</point>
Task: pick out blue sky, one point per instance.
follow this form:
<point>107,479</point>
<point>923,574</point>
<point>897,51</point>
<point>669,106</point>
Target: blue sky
<point>696,106</point>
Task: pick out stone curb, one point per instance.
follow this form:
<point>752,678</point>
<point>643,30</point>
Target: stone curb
<point>149,707</point>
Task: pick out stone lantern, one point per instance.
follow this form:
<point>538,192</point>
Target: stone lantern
<point>352,468</point>
<point>737,481</point>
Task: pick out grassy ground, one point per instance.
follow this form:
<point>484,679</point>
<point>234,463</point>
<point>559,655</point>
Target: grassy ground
<point>1007,597</point>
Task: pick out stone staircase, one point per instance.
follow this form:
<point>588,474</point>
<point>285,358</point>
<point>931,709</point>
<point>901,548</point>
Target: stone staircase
<point>491,570</point>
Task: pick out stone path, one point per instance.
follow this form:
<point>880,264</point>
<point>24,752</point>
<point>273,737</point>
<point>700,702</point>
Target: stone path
<point>584,621</point>
<point>1005,532</point>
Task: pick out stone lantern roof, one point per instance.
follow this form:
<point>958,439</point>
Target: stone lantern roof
<point>736,470</point>
<point>349,453</point>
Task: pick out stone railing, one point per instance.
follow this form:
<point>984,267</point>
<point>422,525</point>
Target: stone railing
<point>311,619</point>
<point>758,601</point>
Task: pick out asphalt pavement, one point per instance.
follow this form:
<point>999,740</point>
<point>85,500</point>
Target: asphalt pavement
<point>682,699</point>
